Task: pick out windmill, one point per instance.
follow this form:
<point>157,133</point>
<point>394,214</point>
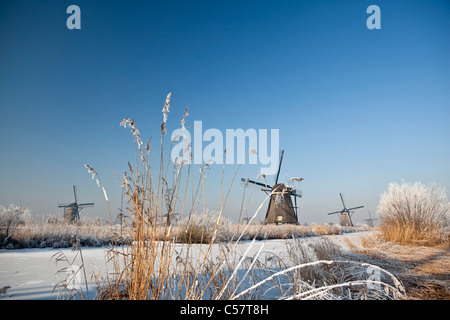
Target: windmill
<point>72,210</point>
<point>280,209</point>
<point>345,214</point>
<point>370,221</point>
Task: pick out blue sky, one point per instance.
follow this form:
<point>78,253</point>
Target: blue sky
<point>356,108</point>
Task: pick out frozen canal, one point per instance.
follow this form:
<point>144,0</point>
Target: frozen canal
<point>31,274</point>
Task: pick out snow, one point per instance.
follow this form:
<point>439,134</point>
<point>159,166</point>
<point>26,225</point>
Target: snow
<point>31,274</point>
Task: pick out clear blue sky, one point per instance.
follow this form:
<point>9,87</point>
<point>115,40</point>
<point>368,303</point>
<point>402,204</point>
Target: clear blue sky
<point>356,108</point>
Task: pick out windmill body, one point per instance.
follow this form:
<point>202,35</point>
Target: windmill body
<point>345,219</point>
<point>72,210</point>
<point>72,214</point>
<point>280,210</point>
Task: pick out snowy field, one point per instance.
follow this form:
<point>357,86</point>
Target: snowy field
<point>30,274</point>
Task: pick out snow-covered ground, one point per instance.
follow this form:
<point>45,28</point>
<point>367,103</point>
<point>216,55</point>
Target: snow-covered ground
<point>30,274</point>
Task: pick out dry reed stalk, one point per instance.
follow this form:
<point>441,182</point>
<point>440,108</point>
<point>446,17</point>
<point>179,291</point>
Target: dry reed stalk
<point>147,270</point>
<point>397,290</point>
<point>410,233</point>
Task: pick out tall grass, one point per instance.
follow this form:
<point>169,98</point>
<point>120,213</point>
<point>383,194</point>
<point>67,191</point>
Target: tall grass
<point>414,214</point>
<point>145,270</point>
<point>51,231</point>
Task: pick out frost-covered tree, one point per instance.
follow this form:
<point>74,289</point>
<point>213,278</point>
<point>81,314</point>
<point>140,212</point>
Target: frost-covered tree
<point>414,213</point>
<point>11,217</point>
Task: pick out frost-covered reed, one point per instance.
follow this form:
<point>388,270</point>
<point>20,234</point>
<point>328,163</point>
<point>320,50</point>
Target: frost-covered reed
<point>54,232</point>
<point>414,213</point>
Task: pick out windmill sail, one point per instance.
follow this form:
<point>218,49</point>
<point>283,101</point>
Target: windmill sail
<point>279,166</point>
<point>280,209</point>
<point>345,216</point>
<point>370,221</point>
<point>72,210</point>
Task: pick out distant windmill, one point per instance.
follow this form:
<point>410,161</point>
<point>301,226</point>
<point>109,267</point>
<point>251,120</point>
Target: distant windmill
<point>345,214</point>
<point>280,209</point>
<point>72,210</point>
<point>370,221</point>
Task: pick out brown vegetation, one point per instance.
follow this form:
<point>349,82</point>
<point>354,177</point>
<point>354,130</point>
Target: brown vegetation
<point>424,270</point>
